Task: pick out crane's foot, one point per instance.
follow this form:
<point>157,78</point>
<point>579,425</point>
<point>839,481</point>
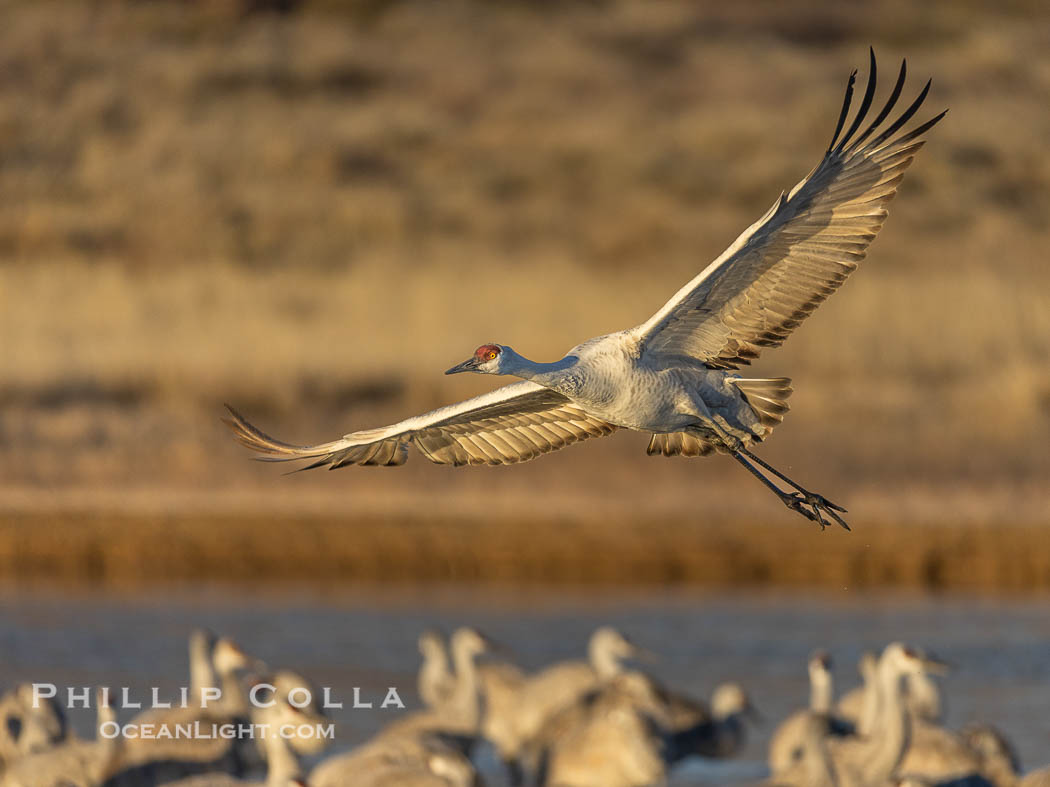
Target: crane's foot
<point>811,505</point>
<point>814,507</point>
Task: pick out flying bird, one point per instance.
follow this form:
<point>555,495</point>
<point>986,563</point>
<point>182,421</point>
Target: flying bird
<point>673,375</point>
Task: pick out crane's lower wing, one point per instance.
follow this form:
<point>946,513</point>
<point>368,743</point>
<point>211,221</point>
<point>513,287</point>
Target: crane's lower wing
<point>511,424</point>
<point>783,266</point>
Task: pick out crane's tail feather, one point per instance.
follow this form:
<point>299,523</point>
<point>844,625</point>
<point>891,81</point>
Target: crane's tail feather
<point>767,397</point>
<point>679,444</point>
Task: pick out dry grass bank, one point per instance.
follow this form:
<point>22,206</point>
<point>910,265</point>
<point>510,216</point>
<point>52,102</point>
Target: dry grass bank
<point>289,547</point>
<point>311,214</point>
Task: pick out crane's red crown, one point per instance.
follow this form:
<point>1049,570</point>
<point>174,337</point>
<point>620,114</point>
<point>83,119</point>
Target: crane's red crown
<point>487,352</point>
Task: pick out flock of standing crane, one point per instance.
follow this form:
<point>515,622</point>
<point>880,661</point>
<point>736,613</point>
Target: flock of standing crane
<point>599,721</point>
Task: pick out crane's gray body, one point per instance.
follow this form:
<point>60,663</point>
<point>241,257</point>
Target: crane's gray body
<point>615,381</point>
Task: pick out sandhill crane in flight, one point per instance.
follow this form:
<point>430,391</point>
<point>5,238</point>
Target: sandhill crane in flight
<point>672,375</point>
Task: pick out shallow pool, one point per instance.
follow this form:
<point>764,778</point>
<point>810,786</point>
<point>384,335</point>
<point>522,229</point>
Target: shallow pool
<point>366,639</point>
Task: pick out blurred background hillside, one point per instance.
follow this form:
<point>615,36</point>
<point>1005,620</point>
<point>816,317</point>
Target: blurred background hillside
<point>311,209</point>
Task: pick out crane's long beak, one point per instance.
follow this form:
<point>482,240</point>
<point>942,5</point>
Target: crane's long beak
<point>930,663</point>
<point>496,648</point>
<point>754,714</point>
<point>936,666</point>
<point>469,365</point>
<point>644,655</point>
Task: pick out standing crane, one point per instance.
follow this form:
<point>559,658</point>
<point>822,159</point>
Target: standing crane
<point>673,375</point>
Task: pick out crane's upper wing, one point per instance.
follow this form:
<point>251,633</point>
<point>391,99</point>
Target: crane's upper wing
<point>512,424</point>
<point>785,264</point>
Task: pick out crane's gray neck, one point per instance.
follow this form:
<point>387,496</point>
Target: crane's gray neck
<point>107,750</point>
<point>234,699</point>
<point>869,708</point>
<point>282,765</point>
<point>924,697</point>
<point>546,374</point>
<point>890,733</point>
<point>202,674</point>
<point>463,703</point>
<point>821,690</point>
<point>606,663</point>
<point>435,673</point>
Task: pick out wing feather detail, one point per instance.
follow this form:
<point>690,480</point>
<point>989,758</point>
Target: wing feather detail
<point>802,250</point>
<point>509,425</point>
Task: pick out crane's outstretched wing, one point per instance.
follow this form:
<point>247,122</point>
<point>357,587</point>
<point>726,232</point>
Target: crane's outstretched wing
<point>800,251</point>
<point>512,424</point>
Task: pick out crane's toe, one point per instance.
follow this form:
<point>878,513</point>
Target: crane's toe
<point>814,507</point>
<point>796,502</point>
<point>842,522</point>
<point>820,503</point>
<point>823,502</point>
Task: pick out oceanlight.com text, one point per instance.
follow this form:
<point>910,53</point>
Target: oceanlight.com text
<point>230,731</point>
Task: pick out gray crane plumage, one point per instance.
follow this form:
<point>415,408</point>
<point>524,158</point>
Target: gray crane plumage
<point>73,762</point>
<point>421,760</point>
<point>672,375</point>
<point>282,763</point>
<point>517,711</point>
<point>29,726</point>
<point>787,747</point>
<point>436,681</point>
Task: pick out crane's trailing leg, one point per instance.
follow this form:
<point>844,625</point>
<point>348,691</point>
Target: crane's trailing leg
<point>809,504</point>
<point>810,498</point>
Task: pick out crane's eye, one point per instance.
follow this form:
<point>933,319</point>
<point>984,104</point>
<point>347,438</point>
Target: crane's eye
<point>487,352</point>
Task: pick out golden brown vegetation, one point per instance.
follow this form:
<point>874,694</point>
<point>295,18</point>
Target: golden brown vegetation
<point>311,209</point>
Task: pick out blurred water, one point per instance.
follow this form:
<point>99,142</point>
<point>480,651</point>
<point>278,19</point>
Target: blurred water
<point>1001,648</point>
